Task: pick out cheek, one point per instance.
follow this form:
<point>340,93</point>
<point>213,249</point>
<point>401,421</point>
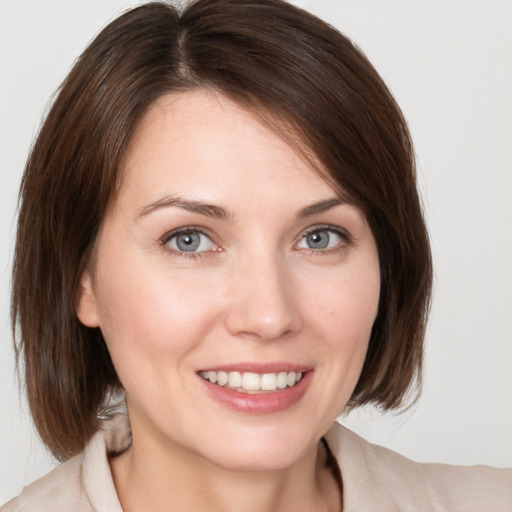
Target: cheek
<point>148,314</point>
<point>345,306</point>
<point>342,308</point>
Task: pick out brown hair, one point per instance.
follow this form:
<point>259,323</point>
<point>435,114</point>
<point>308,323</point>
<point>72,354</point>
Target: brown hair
<point>270,57</point>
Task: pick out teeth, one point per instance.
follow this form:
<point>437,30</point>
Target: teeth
<point>250,381</point>
<point>222,378</point>
<point>282,380</point>
<point>235,380</point>
<point>268,382</point>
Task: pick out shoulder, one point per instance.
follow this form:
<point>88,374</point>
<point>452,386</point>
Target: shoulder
<point>84,483</point>
<point>376,478</point>
<point>59,490</point>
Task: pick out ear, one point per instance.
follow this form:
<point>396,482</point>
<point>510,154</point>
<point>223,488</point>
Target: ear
<point>87,309</point>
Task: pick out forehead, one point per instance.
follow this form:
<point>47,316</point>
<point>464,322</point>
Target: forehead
<point>204,144</point>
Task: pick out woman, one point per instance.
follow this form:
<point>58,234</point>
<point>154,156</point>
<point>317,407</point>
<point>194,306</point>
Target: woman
<point>219,219</point>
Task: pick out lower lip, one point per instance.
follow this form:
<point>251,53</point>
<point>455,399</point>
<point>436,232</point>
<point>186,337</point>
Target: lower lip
<point>264,403</point>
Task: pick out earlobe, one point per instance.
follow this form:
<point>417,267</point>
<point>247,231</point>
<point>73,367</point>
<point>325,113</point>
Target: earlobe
<point>86,308</point>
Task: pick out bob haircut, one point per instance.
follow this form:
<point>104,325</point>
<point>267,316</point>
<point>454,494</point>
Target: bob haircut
<point>301,76</point>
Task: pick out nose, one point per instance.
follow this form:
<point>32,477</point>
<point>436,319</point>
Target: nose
<point>263,304</point>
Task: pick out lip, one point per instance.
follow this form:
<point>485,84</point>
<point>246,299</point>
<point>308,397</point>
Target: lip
<point>262,368</point>
<point>264,403</point>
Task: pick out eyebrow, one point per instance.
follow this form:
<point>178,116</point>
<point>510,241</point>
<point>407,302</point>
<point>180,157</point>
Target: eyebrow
<point>320,207</point>
<point>209,210</point>
<point>217,212</point>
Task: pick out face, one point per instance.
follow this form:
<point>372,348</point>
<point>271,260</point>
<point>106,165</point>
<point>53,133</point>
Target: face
<point>235,291</point>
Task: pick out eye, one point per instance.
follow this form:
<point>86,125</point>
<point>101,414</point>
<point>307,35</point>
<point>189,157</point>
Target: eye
<point>322,239</point>
<point>190,240</point>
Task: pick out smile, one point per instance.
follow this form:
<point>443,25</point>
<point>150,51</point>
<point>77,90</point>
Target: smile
<point>247,382</point>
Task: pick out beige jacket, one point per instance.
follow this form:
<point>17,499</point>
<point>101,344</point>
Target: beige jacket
<point>375,479</point>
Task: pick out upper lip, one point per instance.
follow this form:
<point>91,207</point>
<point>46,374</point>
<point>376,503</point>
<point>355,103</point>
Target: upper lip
<point>262,368</point>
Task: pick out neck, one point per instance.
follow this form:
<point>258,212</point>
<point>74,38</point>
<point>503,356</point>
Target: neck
<point>150,478</point>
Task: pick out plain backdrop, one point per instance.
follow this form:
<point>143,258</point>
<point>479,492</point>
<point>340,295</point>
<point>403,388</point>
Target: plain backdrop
<point>449,64</point>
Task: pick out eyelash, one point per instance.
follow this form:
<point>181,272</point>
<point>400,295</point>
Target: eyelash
<point>346,239</point>
<point>184,254</point>
<point>344,236</point>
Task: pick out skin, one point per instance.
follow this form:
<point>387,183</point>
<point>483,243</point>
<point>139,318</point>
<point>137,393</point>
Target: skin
<point>255,292</point>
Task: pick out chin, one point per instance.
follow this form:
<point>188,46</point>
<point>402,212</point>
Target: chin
<point>259,451</point>
<point>246,460</point>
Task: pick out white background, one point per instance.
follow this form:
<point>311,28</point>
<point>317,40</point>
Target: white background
<point>449,64</point>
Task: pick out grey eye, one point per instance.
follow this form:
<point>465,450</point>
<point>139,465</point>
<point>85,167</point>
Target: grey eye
<point>190,241</point>
<point>320,239</point>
